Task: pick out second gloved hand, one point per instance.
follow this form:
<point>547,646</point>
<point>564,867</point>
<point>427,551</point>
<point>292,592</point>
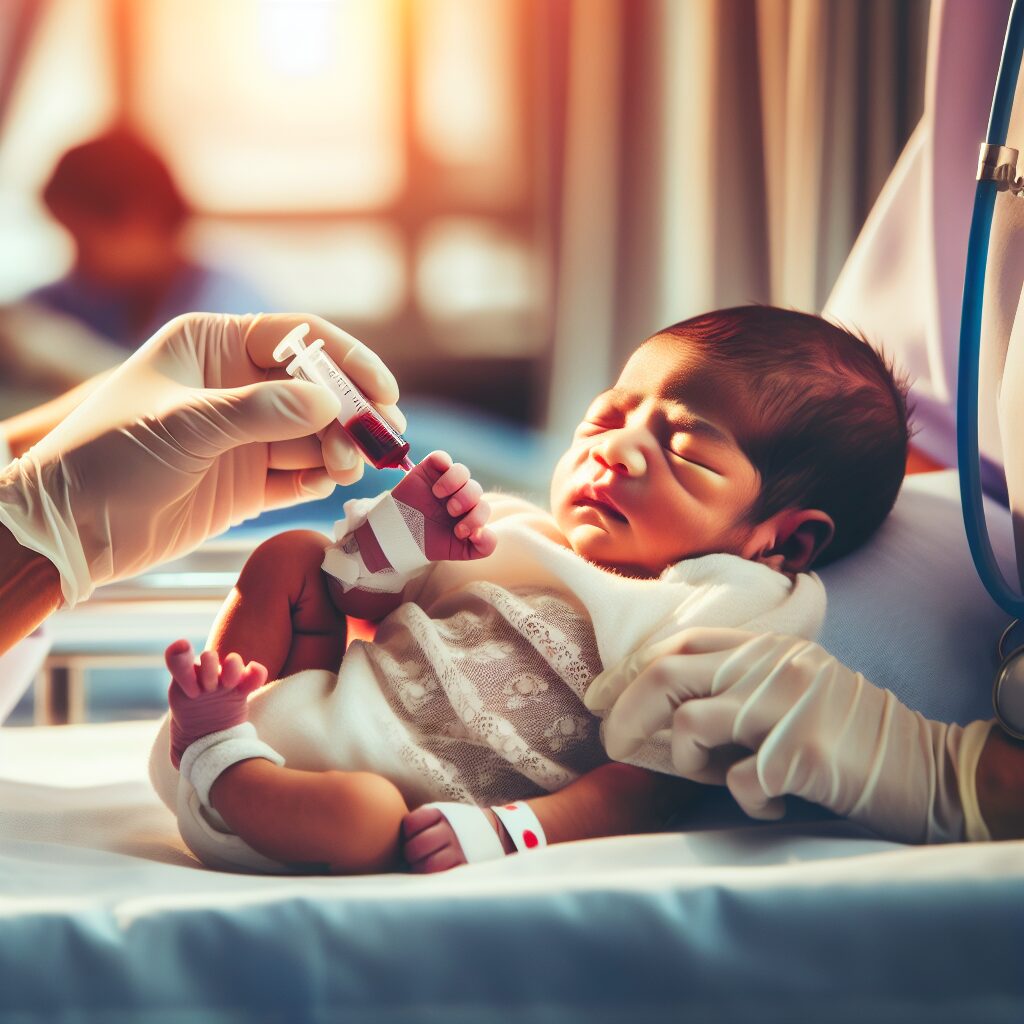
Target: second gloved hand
<point>775,715</point>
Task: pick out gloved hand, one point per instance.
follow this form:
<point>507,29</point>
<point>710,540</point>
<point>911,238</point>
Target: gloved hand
<point>774,715</point>
<point>195,432</point>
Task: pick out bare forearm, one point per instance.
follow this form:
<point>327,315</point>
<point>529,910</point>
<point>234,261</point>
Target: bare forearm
<point>25,429</point>
<point>29,590</point>
<point>345,822</point>
<point>615,799</point>
<point>1000,783</point>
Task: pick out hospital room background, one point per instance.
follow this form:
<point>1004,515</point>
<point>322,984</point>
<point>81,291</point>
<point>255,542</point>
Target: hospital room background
<point>500,198</point>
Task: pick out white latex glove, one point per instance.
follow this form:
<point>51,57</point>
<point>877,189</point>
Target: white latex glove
<point>774,715</point>
<point>195,432</point>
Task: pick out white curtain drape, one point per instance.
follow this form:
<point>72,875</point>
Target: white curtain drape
<point>717,152</point>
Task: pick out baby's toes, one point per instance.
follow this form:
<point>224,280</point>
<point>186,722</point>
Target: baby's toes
<point>465,498</point>
<point>425,473</point>
<point>473,521</point>
<point>484,542</point>
<point>451,480</point>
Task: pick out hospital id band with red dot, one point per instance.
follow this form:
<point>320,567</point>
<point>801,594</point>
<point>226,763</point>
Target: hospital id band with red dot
<point>476,835</point>
<point>522,825</point>
<point>472,829</point>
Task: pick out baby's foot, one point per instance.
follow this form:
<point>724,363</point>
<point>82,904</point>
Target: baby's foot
<point>205,695</point>
<point>454,512</point>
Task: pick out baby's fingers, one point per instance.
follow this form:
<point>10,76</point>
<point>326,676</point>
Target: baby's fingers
<point>428,842</point>
<point>208,673</point>
<point>181,663</point>
<point>443,860</point>
<point>254,676</point>
<point>231,671</point>
<point>419,819</point>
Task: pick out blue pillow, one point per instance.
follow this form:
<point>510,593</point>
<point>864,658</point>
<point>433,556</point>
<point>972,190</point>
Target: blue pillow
<point>909,611</point>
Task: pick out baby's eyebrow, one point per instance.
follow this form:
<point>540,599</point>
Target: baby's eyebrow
<point>621,395</point>
<point>701,428</point>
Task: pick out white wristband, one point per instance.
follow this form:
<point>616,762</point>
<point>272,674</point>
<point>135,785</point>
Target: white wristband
<point>6,455</point>
<point>208,757</point>
<point>473,830</point>
<point>522,825</point>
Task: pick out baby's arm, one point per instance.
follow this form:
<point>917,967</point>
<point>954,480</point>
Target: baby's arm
<point>448,516</point>
<point>344,822</point>
<point>614,799</point>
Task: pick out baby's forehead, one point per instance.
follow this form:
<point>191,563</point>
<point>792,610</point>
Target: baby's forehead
<point>667,367</point>
<point>667,370</point>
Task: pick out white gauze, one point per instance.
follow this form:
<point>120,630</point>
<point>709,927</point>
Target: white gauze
<point>399,530</point>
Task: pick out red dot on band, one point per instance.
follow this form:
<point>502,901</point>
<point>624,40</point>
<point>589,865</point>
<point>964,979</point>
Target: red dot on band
<point>529,839</point>
<point>511,807</point>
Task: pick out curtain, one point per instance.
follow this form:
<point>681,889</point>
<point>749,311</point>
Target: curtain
<point>717,152</point>
<point>19,20</point>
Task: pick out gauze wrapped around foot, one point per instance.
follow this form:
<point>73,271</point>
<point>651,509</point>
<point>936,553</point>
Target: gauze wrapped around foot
<point>436,513</point>
<point>396,529</point>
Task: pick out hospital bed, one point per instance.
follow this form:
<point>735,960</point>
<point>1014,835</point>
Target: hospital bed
<point>105,916</point>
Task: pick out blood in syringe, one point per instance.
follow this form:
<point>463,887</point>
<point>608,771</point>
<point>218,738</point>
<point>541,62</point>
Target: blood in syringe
<point>378,442</point>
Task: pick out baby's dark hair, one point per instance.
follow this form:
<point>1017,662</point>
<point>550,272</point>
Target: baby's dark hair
<point>829,426</point>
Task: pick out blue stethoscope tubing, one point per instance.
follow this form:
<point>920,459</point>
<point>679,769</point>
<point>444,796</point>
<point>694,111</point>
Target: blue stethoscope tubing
<point>970,331</point>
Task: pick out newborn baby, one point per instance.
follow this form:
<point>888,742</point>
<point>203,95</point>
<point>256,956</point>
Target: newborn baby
<point>734,451</point>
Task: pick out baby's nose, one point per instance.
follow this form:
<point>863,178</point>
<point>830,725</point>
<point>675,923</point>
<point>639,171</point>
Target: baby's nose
<point>620,454</point>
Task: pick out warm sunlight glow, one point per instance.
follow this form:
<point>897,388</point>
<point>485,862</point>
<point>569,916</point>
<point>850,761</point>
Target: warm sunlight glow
<point>289,106</point>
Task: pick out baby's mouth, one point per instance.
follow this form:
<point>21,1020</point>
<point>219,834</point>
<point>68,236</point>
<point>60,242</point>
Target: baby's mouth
<point>589,497</point>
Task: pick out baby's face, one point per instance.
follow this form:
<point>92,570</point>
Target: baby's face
<point>654,473</point>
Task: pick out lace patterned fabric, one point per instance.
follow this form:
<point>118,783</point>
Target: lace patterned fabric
<point>480,690</point>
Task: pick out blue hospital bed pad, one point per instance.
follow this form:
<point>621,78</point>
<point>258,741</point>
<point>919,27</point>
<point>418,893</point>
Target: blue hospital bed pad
<point>105,917</point>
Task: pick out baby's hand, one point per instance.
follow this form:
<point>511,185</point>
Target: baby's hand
<point>454,512</point>
<point>429,843</point>
<point>206,696</point>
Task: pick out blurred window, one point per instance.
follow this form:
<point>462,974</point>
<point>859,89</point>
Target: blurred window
<point>377,161</point>
<point>384,163</point>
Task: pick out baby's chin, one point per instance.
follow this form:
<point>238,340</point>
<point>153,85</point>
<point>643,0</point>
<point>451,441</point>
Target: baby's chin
<point>594,546</point>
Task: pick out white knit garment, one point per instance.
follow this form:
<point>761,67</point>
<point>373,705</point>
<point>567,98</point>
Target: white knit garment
<point>473,689</point>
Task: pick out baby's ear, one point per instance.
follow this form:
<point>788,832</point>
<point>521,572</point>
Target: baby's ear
<point>798,537</point>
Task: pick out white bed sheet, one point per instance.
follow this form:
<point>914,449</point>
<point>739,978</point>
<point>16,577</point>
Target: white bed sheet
<point>105,917</point>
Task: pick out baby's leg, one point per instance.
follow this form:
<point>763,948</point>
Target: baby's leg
<point>279,615</point>
<point>279,612</point>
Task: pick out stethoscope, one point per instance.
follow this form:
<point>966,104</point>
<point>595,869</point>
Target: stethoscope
<point>997,172</point>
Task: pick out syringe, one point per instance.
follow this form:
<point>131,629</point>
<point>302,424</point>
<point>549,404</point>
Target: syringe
<point>372,434</point>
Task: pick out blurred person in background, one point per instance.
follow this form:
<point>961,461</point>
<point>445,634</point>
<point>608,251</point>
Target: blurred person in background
<point>116,197</point>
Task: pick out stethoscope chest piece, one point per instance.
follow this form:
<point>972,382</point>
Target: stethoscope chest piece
<point>1008,689</point>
